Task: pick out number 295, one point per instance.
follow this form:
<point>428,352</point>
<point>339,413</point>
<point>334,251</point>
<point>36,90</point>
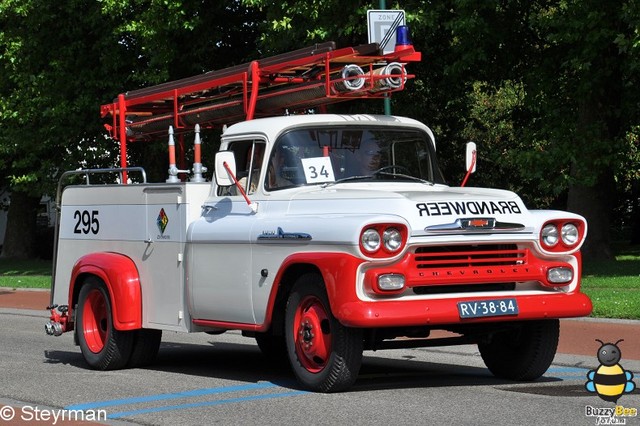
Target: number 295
<point>86,222</point>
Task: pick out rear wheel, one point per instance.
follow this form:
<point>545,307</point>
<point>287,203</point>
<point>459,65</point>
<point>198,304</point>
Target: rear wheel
<point>524,353</point>
<point>103,347</point>
<point>325,355</point>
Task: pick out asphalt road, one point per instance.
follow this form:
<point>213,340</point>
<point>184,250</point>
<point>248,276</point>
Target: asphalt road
<point>201,379</point>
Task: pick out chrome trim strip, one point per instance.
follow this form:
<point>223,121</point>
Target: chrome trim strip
<point>280,235</point>
<point>475,225</point>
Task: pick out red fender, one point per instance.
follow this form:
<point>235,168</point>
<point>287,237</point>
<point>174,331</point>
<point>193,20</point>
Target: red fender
<point>120,275</point>
<point>338,271</point>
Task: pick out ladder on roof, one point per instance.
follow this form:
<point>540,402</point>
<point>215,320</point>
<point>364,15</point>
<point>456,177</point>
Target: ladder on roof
<point>293,82</point>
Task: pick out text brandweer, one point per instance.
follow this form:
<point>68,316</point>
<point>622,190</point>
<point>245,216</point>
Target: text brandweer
<point>448,208</point>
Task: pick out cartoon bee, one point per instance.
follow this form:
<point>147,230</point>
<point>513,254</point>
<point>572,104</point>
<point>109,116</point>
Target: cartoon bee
<point>610,380</point>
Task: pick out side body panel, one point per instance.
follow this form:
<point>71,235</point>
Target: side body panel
<point>145,223</point>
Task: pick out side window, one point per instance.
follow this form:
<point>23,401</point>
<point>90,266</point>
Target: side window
<point>249,156</point>
<point>284,169</point>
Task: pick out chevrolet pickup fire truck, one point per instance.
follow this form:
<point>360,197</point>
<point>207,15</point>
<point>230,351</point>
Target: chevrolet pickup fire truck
<point>319,235</point>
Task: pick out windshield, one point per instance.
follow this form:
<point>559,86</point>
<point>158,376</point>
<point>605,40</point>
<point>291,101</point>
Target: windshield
<point>321,155</point>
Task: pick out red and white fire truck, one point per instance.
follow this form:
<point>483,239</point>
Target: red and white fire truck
<point>319,235</point>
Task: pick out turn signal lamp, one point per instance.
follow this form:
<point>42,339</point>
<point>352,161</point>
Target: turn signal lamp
<point>560,275</point>
<point>391,282</point>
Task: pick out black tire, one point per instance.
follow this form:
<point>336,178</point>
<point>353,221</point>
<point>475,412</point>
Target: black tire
<point>103,347</point>
<point>146,344</point>
<point>325,355</point>
<point>524,353</point>
<point>274,348</point>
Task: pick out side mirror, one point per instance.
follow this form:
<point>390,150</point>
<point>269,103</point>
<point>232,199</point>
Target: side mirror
<point>221,175</point>
<point>471,157</point>
<point>470,160</point>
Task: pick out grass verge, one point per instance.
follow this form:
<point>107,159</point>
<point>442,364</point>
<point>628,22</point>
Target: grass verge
<point>25,273</point>
<point>613,286</point>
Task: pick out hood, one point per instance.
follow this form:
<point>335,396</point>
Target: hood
<point>426,208</point>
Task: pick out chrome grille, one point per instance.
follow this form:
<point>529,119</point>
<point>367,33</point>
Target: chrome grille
<point>468,256</point>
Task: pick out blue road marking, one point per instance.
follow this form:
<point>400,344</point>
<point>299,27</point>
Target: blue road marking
<point>168,396</point>
<point>202,404</point>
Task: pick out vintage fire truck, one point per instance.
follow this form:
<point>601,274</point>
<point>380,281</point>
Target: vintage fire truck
<point>319,235</point>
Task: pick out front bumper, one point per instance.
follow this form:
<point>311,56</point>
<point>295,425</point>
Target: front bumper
<point>435,312</point>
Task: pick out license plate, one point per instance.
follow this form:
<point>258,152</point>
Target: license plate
<point>487,308</point>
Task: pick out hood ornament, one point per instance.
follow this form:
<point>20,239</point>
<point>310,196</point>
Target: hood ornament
<point>475,224</point>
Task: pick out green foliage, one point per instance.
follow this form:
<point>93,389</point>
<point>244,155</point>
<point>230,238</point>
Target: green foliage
<point>293,24</point>
<point>57,66</point>
<point>49,63</point>
<point>549,89</point>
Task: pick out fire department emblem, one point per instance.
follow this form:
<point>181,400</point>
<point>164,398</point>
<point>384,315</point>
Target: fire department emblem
<point>162,221</point>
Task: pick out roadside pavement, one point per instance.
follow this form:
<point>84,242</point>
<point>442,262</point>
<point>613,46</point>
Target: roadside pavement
<point>577,336</point>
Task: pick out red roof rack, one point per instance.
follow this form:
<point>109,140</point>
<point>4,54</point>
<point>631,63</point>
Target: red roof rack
<point>292,82</point>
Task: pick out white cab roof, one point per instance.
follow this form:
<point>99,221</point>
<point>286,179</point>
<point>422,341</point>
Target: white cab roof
<point>272,127</point>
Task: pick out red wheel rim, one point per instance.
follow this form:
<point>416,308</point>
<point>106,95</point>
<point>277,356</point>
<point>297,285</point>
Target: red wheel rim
<point>94,321</point>
<point>312,334</point>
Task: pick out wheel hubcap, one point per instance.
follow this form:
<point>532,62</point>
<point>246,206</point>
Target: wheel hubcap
<point>312,335</point>
<point>95,321</point>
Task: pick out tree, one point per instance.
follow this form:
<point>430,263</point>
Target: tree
<point>589,53</point>
<point>57,66</point>
<point>48,87</point>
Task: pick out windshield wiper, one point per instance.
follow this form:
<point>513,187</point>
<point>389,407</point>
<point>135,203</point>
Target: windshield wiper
<point>346,179</point>
<point>374,174</point>
<point>402,175</point>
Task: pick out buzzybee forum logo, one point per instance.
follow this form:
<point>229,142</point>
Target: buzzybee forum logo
<point>610,381</point>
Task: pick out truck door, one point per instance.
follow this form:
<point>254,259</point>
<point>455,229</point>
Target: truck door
<point>220,281</point>
<point>162,259</point>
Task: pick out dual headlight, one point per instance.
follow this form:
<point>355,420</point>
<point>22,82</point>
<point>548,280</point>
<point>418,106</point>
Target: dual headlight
<point>383,239</point>
<point>561,235</point>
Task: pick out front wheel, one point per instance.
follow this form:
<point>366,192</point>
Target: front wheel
<point>524,353</point>
<point>273,347</point>
<point>103,347</point>
<point>325,355</point>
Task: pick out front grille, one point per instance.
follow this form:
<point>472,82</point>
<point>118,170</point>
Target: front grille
<point>469,288</point>
<point>469,268</point>
<point>469,256</point>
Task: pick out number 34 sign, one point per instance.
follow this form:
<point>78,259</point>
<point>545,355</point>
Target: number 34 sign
<point>318,169</point>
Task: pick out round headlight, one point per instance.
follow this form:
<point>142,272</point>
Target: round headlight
<point>392,239</point>
<point>370,240</point>
<point>550,235</point>
<point>569,234</point>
